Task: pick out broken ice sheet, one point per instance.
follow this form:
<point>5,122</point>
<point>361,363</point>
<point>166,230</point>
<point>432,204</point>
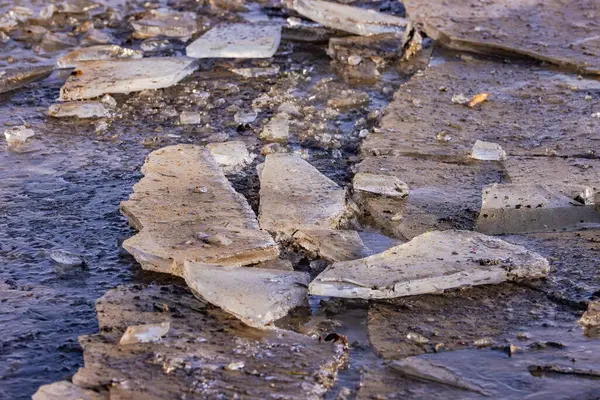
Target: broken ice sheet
<point>237,5</point>
<point>256,72</point>
<point>523,208</point>
<point>80,109</point>
<point>256,296</point>
<point>349,99</point>
<point>14,79</point>
<point>18,135</point>
<point>295,195</point>
<point>508,313</point>
<point>190,118</point>
<point>145,333</point>
<point>186,210</point>
<point>11,18</point>
<point>77,6</point>
<point>573,256</point>
<point>164,22</point>
<point>487,151</point>
<point>66,258</point>
<point>277,129</point>
<point>444,193</point>
<point>529,114</point>
<point>237,41</point>
<point>384,185</point>
<point>349,19</point>
<point>332,245</point>
<point>52,42</point>
<point>472,317</point>
<point>576,178</point>
<point>231,156</point>
<point>64,390</point>
<point>245,116</point>
<point>95,78</point>
<point>429,263</point>
<point>96,37</point>
<point>591,317</point>
<point>47,12</point>
<point>100,52</point>
<point>385,48</point>
<point>418,368</point>
<point>155,45</point>
<point>300,30</point>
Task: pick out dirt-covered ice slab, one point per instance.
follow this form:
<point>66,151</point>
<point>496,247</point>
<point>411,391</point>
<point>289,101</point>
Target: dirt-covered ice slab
<point>429,263</point>
<point>95,78</point>
<point>257,296</point>
<point>475,317</point>
<point>576,178</point>
<point>206,353</point>
<point>545,194</point>
<point>488,336</point>
<point>529,111</point>
<point>348,18</point>
<point>561,32</point>
<point>294,195</point>
<point>186,210</point>
<point>443,193</point>
<point>521,208</point>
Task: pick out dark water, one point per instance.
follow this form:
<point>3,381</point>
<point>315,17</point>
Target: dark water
<point>64,196</point>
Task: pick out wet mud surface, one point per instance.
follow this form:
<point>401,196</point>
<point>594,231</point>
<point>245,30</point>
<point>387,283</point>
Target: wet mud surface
<point>491,335</point>
<point>62,191</point>
<point>573,256</point>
